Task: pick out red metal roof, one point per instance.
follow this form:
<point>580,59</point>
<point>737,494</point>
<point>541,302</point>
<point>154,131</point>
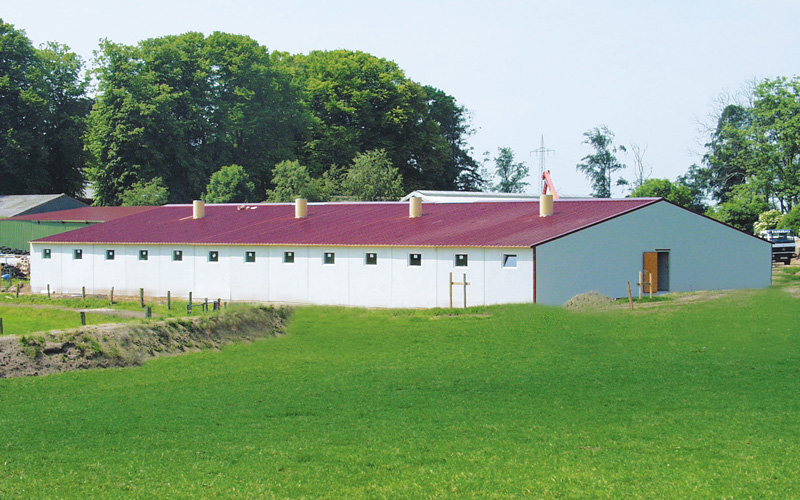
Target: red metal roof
<point>85,214</point>
<point>494,224</point>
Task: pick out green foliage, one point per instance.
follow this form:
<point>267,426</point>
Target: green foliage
<point>292,180</point>
<point>371,177</point>
<point>43,108</point>
<point>792,220</point>
<point>676,192</point>
<point>177,107</point>
<point>599,166</point>
<point>145,193</point>
<point>758,144</point>
<point>742,209</point>
<point>771,219</point>
<point>500,402</point>
<point>730,153</point>
<point>512,175</point>
<point>357,102</point>
<point>230,184</point>
<point>776,137</point>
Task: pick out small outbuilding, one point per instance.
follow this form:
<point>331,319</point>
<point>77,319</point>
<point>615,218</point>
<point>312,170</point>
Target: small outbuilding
<point>403,254</point>
<point>12,205</point>
<point>17,232</point>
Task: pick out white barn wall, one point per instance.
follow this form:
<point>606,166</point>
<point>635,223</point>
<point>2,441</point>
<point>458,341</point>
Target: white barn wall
<point>349,281</point>
<point>289,282</point>
<point>370,285</point>
<point>508,285</point>
<point>703,255</point>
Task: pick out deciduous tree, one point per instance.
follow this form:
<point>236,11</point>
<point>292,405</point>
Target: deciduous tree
<point>511,174</point>
<point>372,177</point>
<point>230,184</point>
<point>599,166</point>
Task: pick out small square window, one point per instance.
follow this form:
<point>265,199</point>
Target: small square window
<point>213,256</point>
<point>77,254</point>
<point>415,259</point>
<point>46,253</point>
<point>109,254</point>
<point>177,255</point>
<point>330,258</point>
<point>509,260</point>
<point>288,257</point>
<point>372,259</point>
<point>461,260</point>
<point>143,254</point>
<point>249,256</point>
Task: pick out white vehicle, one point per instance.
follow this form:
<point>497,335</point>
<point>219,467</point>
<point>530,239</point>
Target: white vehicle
<point>782,240</point>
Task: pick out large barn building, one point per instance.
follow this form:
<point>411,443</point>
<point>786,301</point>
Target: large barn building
<point>402,254</point>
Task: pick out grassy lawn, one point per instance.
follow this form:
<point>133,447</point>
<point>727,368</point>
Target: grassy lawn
<point>26,320</point>
<point>31,313</point>
<point>693,400</point>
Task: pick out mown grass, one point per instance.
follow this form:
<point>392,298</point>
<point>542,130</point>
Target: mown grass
<point>696,400</point>
<point>27,320</point>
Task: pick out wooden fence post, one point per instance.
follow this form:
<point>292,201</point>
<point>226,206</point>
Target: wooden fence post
<point>1,326</point>
<point>83,318</point>
<point>48,291</point>
<point>169,302</point>
<point>111,296</point>
<point>141,297</point>
<point>83,292</point>
<point>148,312</point>
<point>630,298</point>
<point>18,287</point>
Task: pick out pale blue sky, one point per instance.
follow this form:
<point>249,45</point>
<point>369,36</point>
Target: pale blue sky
<point>648,70</point>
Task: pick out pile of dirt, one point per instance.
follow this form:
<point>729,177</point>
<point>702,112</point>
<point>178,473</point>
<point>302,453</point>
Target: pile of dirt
<point>588,301</point>
<point>103,346</point>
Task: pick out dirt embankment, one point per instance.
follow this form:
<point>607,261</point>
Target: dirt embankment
<point>104,346</point>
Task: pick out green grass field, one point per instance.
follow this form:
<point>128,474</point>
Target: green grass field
<point>694,400</point>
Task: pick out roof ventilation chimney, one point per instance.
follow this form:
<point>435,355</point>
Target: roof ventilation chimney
<point>300,208</point>
<point>198,209</point>
<point>546,205</point>
<point>414,207</point>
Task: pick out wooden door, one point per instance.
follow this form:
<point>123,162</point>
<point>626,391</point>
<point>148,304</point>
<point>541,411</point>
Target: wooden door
<point>650,267</point>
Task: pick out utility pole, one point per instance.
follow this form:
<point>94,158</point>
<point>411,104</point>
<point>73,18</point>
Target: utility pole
<point>542,153</point>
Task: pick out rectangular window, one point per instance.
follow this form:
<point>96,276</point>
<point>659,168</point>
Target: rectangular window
<point>143,254</point>
<point>371,259</point>
<point>46,253</point>
<point>330,258</point>
<point>288,257</point>
<point>249,256</point>
<point>213,256</point>
<point>509,260</point>
<point>415,259</point>
<point>109,254</point>
<point>177,255</point>
<point>461,260</point>
<point>77,254</point>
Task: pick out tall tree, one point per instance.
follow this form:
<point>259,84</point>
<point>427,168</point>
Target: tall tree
<point>599,166</point>
<point>230,184</point>
<point>775,132</point>
<point>372,177</point>
<point>358,102</point>
<point>180,107</point>
<point>21,112</point>
<point>43,106</point>
<point>730,152</point>
<point>66,118</point>
<point>512,174</point>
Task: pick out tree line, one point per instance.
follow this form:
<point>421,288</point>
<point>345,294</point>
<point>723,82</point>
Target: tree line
<point>749,176</point>
<point>168,114</point>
